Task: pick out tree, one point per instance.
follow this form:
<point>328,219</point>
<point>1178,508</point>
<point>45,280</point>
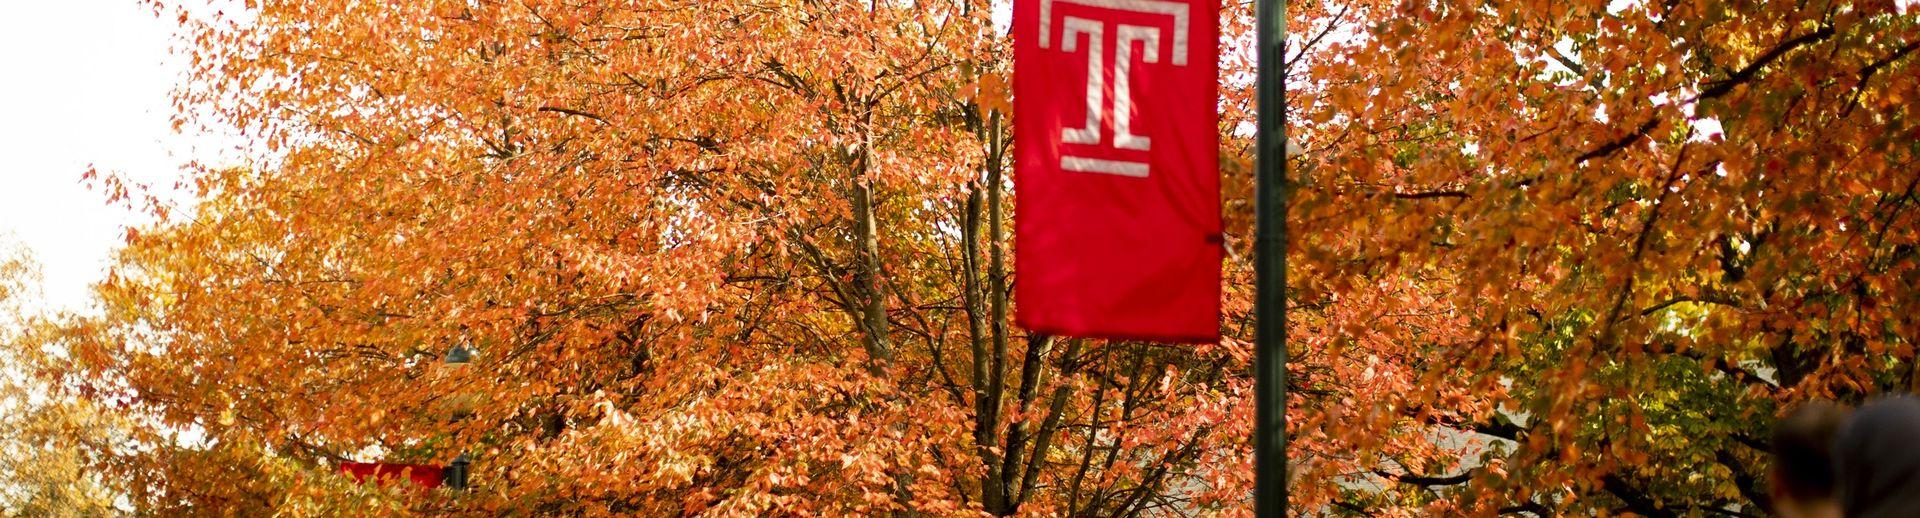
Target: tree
<point>731,257</point>
<point>45,442</point>
<point>1657,223</point>
<point>749,257</point>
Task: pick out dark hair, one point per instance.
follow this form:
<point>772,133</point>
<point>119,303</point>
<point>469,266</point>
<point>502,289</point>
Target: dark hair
<point>1877,461</point>
<point>1803,450</point>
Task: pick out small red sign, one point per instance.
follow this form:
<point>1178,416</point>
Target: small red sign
<point>420,475</point>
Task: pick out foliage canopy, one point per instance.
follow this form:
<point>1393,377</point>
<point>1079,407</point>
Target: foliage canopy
<point>749,257</point>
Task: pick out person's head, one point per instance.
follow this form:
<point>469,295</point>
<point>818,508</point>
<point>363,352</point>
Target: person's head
<point>1803,467</point>
<point>1876,460</point>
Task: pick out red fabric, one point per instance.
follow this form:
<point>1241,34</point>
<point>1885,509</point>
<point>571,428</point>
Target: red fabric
<point>1117,236</point>
<point>422,476</point>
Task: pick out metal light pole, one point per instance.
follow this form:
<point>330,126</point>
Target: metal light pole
<point>1270,265</point>
<point>457,473</point>
<point>456,361</point>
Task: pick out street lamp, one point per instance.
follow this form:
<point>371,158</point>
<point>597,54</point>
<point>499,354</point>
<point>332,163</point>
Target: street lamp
<point>457,473</point>
<point>460,404</point>
<point>459,356</point>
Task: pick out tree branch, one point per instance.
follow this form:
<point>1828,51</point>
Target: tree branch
<point>1431,194</point>
<point>1619,144</point>
<point>573,112</point>
<point>1725,86</point>
<point>1425,481</point>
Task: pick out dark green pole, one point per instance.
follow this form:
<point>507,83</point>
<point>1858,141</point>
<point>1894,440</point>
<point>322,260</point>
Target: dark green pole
<point>1270,265</point>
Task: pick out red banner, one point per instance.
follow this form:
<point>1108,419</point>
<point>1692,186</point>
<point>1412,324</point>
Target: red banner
<point>421,476</point>
<point>1117,150</point>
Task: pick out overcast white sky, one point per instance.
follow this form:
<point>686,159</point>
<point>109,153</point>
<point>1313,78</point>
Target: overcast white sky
<point>81,82</point>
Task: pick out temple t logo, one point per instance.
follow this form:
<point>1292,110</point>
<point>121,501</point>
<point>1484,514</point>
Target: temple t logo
<point>1145,23</point>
